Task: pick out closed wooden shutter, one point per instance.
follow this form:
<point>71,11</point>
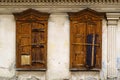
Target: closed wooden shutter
<point>83,24</point>
<point>31,40</point>
<point>39,46</point>
<point>78,51</point>
<point>23,44</point>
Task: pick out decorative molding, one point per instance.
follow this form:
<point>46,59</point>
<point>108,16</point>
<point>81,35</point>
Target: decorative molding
<point>31,14</point>
<point>113,19</point>
<point>87,11</point>
<point>57,3</point>
<point>60,1</point>
<point>49,8</point>
<point>10,6</point>
<point>113,16</point>
<point>113,23</point>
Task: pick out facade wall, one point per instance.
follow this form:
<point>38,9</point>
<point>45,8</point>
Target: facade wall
<point>7,45</point>
<point>58,53</point>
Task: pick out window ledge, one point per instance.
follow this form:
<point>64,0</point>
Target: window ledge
<point>21,69</point>
<point>95,69</point>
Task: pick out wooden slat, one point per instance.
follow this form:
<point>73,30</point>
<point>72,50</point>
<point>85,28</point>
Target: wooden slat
<point>86,44</point>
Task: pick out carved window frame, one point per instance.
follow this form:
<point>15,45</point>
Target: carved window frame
<point>31,18</point>
<point>84,18</point>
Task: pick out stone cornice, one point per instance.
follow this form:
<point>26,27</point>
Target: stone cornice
<point>59,1</point>
<point>51,6</point>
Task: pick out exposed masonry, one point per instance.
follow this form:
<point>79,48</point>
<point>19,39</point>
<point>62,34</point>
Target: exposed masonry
<point>2,2</point>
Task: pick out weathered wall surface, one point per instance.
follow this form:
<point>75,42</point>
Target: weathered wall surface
<point>7,46</point>
<point>58,56</point>
<point>103,73</point>
<point>118,49</point>
<point>58,47</point>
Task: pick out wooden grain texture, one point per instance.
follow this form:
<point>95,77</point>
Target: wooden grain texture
<point>31,40</point>
<point>81,24</point>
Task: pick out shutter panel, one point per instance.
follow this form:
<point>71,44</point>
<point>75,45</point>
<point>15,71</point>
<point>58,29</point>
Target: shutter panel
<point>78,49</point>
<point>38,44</point>
<point>24,44</point>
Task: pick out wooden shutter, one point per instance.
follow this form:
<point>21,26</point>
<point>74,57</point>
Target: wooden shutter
<point>31,40</point>
<point>23,44</point>
<point>82,24</point>
<point>39,46</point>
<point>78,51</point>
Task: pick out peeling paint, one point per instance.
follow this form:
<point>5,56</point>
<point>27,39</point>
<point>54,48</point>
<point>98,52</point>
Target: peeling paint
<point>57,55</point>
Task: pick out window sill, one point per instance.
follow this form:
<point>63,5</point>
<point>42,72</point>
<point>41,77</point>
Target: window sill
<point>21,69</point>
<point>95,69</point>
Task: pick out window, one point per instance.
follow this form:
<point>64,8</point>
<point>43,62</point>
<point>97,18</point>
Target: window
<point>31,40</point>
<point>85,40</point>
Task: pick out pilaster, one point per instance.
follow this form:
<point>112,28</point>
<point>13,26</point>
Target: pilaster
<point>111,44</point>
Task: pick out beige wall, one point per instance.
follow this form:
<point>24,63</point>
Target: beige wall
<point>58,47</point>
<point>7,45</point>
<point>58,54</point>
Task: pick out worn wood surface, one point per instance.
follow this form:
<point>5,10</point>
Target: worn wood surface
<point>81,24</point>
<point>31,40</point>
